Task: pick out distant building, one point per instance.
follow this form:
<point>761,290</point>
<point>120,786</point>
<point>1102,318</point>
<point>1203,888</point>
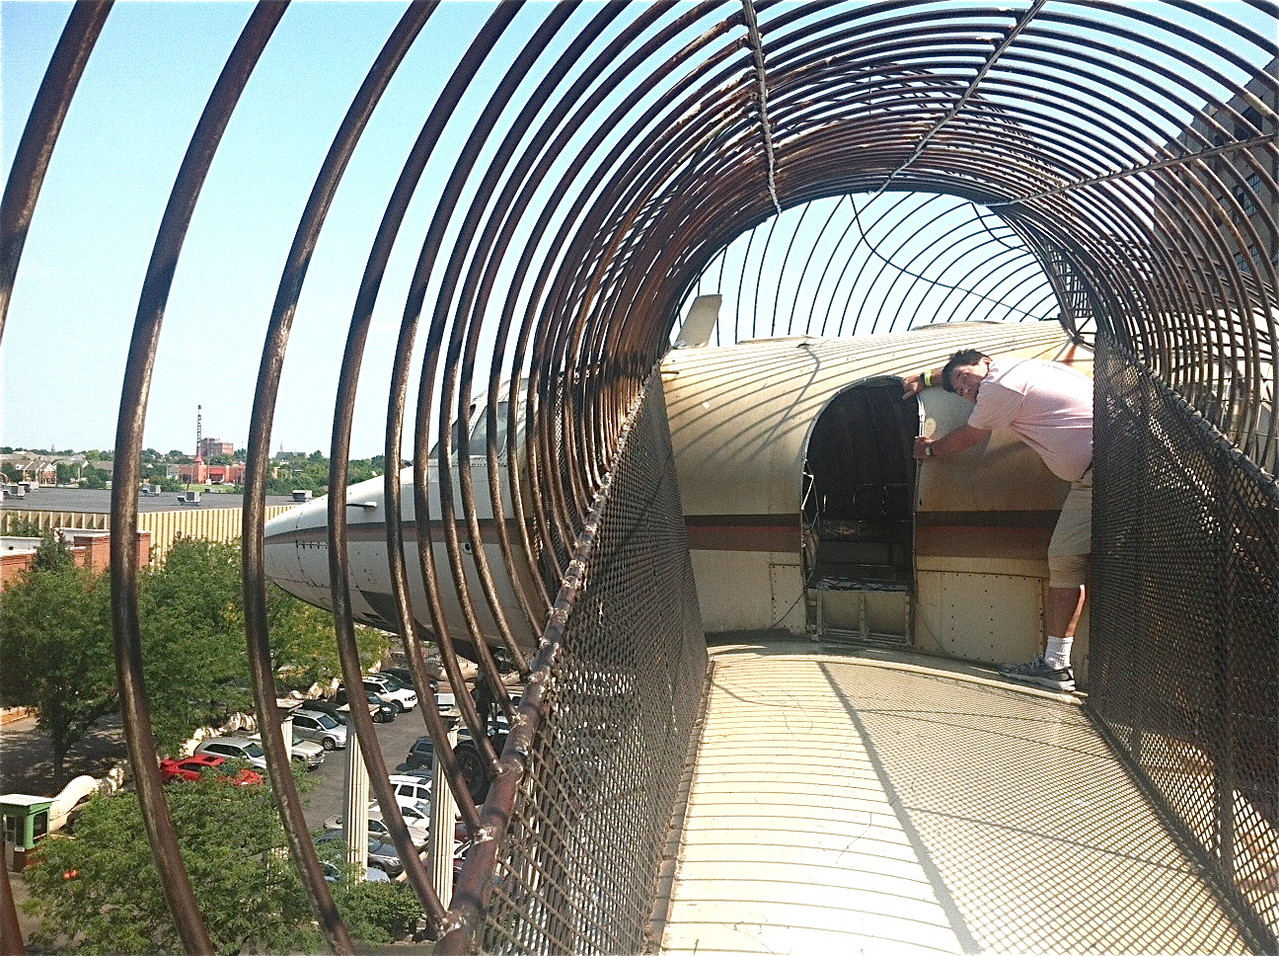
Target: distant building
<point>218,517</point>
<point>33,467</point>
<point>198,473</point>
<point>90,549</point>
<point>215,447</point>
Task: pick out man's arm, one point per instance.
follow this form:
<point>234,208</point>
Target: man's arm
<point>963,437</point>
<point>913,383</point>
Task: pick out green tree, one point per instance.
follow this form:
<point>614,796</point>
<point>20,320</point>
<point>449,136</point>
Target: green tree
<point>196,663</point>
<point>20,527</point>
<point>56,647</point>
<point>312,473</point>
<point>303,646</point>
<point>233,845</point>
<point>373,912</point>
<point>192,625</point>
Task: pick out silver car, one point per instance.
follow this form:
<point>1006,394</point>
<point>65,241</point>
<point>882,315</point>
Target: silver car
<point>235,748</point>
<point>304,751</point>
<point>319,727</point>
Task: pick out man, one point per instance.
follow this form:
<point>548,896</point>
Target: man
<point>1048,406</point>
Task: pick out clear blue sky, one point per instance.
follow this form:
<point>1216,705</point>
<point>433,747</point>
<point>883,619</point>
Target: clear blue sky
<point>77,290</point>
<point>146,83</point>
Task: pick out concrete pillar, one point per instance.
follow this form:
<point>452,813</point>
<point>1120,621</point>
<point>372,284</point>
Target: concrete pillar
<point>443,815</point>
<point>356,815</point>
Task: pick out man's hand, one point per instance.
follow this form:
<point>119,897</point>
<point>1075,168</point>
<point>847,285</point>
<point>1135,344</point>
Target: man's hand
<point>920,450</point>
<point>912,384</point>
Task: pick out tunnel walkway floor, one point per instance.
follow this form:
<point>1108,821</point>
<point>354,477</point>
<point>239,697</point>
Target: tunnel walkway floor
<point>881,802</point>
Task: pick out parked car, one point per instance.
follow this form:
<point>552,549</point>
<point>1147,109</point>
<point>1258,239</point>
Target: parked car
<point>391,689</point>
<point>502,725</point>
<point>412,786</point>
<point>235,748</point>
<point>405,677</point>
<point>372,874</point>
<point>379,829</point>
<point>381,710</point>
<point>419,825</point>
<point>303,751</point>
<point>319,727</point>
<point>417,812</point>
<point>382,856</point>
<point>426,774</point>
<point>421,754</point>
<point>204,766</point>
<point>341,714</point>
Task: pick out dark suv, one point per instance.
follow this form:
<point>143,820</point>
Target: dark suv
<point>405,677</point>
<point>421,753</point>
<point>384,714</point>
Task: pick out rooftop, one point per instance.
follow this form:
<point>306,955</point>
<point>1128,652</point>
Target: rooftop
<point>98,501</point>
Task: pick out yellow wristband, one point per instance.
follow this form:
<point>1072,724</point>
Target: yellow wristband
<point>926,377</point>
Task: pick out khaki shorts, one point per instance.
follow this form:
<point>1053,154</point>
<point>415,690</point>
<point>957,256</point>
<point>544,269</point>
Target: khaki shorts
<point>1072,537</point>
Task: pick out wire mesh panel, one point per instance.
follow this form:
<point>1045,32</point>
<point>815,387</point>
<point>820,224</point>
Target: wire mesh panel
<point>1186,623</point>
<point>579,865</point>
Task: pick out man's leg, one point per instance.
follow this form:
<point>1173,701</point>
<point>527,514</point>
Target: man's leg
<point>1062,614</point>
<point>1067,572</point>
<point>1064,607</point>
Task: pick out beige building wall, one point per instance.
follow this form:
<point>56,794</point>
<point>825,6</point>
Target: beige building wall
<point>214,524</point>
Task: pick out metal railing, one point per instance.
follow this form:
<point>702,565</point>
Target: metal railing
<point>590,775</point>
<point>1185,652</point>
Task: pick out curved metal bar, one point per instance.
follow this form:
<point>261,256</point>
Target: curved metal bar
<point>259,453</point>
<point>572,99</point>
<point>455,383</point>
<point>452,191</point>
<point>397,208</point>
<point>475,296</point>
<point>39,136</point>
<point>474,885</point>
<point>124,502</point>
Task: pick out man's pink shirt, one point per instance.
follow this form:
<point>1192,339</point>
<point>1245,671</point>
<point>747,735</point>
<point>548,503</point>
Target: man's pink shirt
<point>1047,405</point>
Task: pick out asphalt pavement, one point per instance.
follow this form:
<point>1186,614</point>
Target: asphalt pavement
<point>329,794</point>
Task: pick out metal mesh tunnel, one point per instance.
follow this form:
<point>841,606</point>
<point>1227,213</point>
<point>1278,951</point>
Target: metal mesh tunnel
<point>562,191</point>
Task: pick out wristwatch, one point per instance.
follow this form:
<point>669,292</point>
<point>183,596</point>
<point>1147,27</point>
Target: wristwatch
<point>928,450</point>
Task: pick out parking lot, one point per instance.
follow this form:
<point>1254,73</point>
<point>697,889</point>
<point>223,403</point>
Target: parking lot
<point>328,796</point>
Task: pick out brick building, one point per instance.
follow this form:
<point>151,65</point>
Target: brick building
<point>91,549</point>
<point>199,473</point>
<point>213,447</point>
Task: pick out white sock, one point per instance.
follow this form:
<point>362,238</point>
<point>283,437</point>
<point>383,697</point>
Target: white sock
<point>1057,655</point>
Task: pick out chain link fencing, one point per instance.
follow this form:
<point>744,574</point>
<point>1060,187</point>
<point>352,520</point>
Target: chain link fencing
<point>1185,625</point>
<point>577,870</point>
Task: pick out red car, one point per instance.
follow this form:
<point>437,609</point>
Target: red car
<point>194,768</point>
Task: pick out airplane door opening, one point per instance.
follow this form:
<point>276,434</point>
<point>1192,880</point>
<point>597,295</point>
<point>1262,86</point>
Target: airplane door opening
<point>859,490</point>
